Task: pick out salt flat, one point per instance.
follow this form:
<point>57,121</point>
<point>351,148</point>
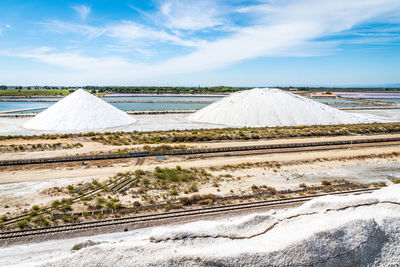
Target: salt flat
<point>165,122</point>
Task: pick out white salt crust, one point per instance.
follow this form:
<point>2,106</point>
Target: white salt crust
<point>352,230</point>
<point>79,111</point>
<point>272,107</point>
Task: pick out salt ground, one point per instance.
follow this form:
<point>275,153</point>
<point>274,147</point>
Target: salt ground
<point>260,107</point>
<point>357,230</point>
<point>165,122</point>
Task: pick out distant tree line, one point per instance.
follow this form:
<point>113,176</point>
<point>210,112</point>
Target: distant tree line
<point>163,90</point>
<point>51,90</point>
<point>338,89</point>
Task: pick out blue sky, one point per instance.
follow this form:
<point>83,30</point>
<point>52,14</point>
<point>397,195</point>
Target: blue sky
<point>206,43</point>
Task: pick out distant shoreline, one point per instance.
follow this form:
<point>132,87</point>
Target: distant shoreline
<point>114,95</point>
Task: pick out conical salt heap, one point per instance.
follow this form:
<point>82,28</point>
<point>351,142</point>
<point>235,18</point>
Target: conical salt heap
<point>79,111</point>
<point>272,107</point>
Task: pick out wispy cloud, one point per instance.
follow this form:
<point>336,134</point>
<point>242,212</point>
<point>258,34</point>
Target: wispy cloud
<point>74,60</point>
<point>62,27</point>
<point>83,11</point>
<point>129,31</point>
<point>7,26</point>
<point>190,15</point>
<point>125,31</point>
<point>277,28</point>
<point>282,28</point>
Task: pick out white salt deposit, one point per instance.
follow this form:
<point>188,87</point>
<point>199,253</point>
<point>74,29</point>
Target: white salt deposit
<point>329,231</point>
<point>79,111</point>
<point>272,107</point>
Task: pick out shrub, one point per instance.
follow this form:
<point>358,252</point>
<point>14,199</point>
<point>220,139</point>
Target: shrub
<point>100,201</point>
<point>65,208</point>
<point>22,224</point>
<point>174,192</point>
<point>42,220</point>
<point>326,183</point>
<point>207,201</point>
<point>35,207</point>
<point>33,213</point>
<point>193,188</point>
<point>55,204</point>
<point>395,180</point>
<point>137,204</point>
<point>139,173</point>
<point>66,218</point>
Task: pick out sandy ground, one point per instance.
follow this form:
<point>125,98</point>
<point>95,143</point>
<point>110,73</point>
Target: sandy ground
<point>22,174</point>
<point>94,170</point>
<point>20,189</point>
<point>90,147</point>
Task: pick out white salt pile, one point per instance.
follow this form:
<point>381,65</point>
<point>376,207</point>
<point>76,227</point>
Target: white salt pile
<point>329,231</point>
<point>77,112</point>
<point>272,107</point>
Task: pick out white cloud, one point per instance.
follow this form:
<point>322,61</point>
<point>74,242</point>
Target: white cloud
<point>191,15</point>
<point>74,60</point>
<point>62,27</point>
<point>8,26</point>
<point>284,28</point>
<point>129,31</point>
<point>82,10</point>
<point>280,28</point>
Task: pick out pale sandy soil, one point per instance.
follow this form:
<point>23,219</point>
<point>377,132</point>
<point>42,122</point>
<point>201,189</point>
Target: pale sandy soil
<point>20,196</point>
<point>20,186</point>
<point>9,174</point>
<point>95,147</point>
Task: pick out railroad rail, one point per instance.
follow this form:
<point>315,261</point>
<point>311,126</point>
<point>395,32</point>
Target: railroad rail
<point>121,184</point>
<point>157,217</point>
<point>179,152</point>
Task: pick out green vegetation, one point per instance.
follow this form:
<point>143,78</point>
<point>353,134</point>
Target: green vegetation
<point>37,147</point>
<point>239,134</point>
<point>55,90</point>
<point>22,224</point>
<point>121,90</point>
<point>395,180</point>
<point>34,92</point>
<point>187,136</point>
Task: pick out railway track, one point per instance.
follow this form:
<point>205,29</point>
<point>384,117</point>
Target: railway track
<point>272,148</point>
<point>120,185</point>
<point>160,217</point>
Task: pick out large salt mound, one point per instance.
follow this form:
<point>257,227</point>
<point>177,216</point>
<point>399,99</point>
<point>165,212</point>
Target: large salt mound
<point>272,107</point>
<point>328,231</point>
<point>77,112</point>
